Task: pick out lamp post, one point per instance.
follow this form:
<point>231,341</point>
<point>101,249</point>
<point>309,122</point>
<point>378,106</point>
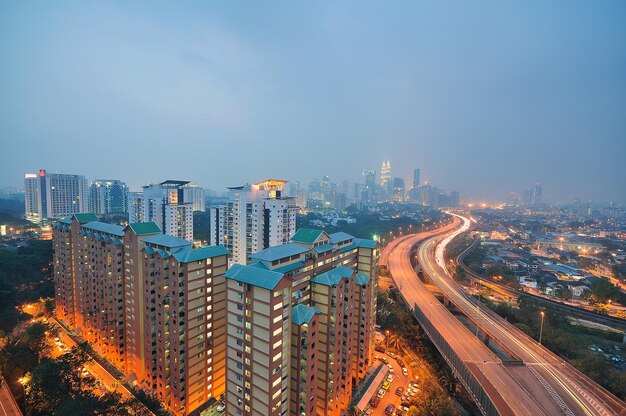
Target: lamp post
<point>541,330</point>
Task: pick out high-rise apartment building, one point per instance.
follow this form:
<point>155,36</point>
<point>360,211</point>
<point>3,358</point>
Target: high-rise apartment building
<point>164,204</point>
<point>108,196</point>
<point>194,195</point>
<point>147,302</point>
<point>255,217</point>
<point>54,195</point>
<point>300,325</point>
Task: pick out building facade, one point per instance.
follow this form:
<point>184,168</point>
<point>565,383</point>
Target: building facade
<point>164,204</point>
<point>300,325</point>
<point>108,196</point>
<point>147,302</point>
<point>255,217</point>
<point>49,196</point>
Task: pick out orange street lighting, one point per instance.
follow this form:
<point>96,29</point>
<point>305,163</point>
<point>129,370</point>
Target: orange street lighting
<point>541,330</point>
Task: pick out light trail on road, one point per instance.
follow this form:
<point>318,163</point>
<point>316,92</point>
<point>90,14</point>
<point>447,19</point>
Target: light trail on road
<point>563,390</point>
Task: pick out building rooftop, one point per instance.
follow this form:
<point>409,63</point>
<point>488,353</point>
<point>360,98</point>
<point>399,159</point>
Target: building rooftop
<point>302,314</point>
<point>362,242</point>
<point>362,279</point>
<point>206,252</point>
<point>323,248</point>
<point>306,235</point>
<point>255,276</point>
<point>142,228</point>
<point>104,227</point>
<point>334,276</point>
<point>87,217</point>
<point>340,237</point>
<point>278,252</point>
<point>167,241</point>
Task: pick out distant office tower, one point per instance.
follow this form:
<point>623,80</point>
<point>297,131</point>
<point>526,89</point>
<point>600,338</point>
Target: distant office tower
<point>194,195</point>
<point>454,199</point>
<point>397,191</point>
<point>369,193</point>
<point>385,174</point>
<point>164,204</point>
<point>416,178</point>
<point>535,199</point>
<point>339,201</point>
<point>149,303</point>
<point>255,217</point>
<point>107,196</point>
<point>300,325</point>
<point>425,195</point>
<point>54,195</point>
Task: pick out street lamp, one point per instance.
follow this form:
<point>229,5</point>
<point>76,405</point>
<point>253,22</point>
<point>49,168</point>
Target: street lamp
<point>541,330</point>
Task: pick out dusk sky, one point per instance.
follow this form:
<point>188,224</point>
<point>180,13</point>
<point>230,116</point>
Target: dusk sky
<point>485,97</point>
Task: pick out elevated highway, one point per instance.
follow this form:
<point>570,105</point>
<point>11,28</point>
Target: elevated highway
<point>542,384</point>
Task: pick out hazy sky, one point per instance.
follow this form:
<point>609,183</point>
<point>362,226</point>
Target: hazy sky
<point>485,97</point>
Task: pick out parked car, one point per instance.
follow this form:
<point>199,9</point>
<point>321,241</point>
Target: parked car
<point>405,371</point>
<point>400,362</point>
<point>384,360</point>
<point>392,355</point>
<point>390,378</point>
<point>374,402</point>
<point>389,409</point>
<point>391,370</point>
<point>399,391</point>
<point>381,393</point>
<point>386,385</point>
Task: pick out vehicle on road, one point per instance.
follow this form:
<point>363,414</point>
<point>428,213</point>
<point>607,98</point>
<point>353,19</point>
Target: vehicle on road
<point>384,360</point>
<point>405,371</point>
<point>391,370</point>
<point>389,409</point>
<point>386,385</point>
<point>399,391</point>
<point>390,378</point>
<point>392,355</point>
<point>381,393</point>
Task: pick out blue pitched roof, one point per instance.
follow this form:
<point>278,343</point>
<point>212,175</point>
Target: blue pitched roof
<point>334,276</point>
<point>256,276</point>
<point>104,227</point>
<point>278,252</point>
<point>284,269</point>
<point>167,241</point>
<point>362,242</point>
<point>340,237</point>
<point>362,279</point>
<point>302,314</point>
<point>206,252</point>
<point>66,220</point>
<point>323,248</point>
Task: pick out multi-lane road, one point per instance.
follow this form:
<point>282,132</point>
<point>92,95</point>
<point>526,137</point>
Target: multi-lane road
<point>544,384</point>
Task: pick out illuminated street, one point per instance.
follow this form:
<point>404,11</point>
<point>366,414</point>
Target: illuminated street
<point>513,389</point>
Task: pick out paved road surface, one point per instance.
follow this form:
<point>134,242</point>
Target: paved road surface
<point>545,385</point>
<point>8,407</point>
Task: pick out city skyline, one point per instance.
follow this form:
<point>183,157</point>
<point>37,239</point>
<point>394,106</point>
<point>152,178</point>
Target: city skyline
<point>515,114</point>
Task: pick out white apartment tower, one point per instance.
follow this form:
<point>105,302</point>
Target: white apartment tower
<point>54,195</point>
<point>255,217</point>
<point>164,204</point>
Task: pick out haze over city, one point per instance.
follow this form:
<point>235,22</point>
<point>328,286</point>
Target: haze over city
<point>486,98</point>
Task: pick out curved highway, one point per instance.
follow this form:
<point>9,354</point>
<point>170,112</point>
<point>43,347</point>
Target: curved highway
<point>545,384</point>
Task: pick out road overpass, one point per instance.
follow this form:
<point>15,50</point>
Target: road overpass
<point>542,384</point>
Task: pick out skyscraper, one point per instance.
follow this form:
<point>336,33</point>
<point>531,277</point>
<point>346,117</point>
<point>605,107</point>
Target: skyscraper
<point>108,196</point>
<point>255,217</point>
<point>164,204</point>
<point>416,178</point>
<point>54,195</point>
<point>397,191</point>
<point>300,324</point>
<point>385,174</point>
<point>535,199</point>
<point>147,302</point>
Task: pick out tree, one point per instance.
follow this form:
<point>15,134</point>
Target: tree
<point>602,290</point>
